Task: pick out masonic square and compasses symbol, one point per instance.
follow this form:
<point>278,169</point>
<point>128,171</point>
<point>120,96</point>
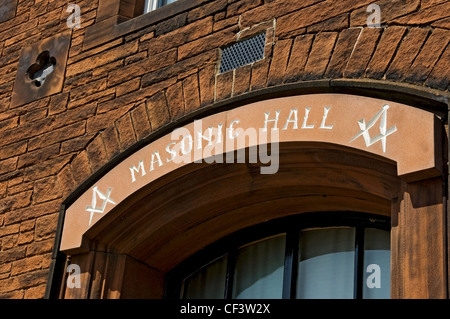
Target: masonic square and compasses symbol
<point>383,131</point>
<point>106,199</point>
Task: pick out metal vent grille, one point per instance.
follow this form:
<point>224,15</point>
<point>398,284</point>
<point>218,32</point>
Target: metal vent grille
<point>243,53</point>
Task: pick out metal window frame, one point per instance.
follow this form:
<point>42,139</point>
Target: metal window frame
<point>152,5</point>
<point>292,227</point>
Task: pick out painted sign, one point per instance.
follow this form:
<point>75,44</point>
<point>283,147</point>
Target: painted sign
<point>398,132</point>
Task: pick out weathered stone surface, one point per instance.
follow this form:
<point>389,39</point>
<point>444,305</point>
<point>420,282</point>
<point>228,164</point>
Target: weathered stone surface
<point>46,168</point>
<point>97,153</point>
<point>81,168</point>
<point>188,33</point>
<point>126,132</point>
<point>426,15</point>
<point>127,87</point>
<point>76,144</point>
<point>342,52</point>
<point>362,52</point>
<point>206,84</point>
<point>191,93</point>
<point>26,265</point>
<point>104,120</point>
<point>219,39</point>
<point>272,10</point>
<point>316,13</point>
<point>319,56</point>
<point>224,85</point>
<point>12,254</point>
<point>206,10</point>
<point>241,6</point>
<point>428,56</point>
<point>175,100</point>
<point>428,3</point>
<point>406,53</point>
<point>337,23</point>
<point>390,9</point>
<point>13,149</point>
<point>242,80</point>
<point>40,247</point>
<point>15,201</point>
<point>39,155</point>
<point>260,71</point>
<point>443,23</point>
<point>8,230</point>
<point>66,181</point>
<point>162,75</point>
<point>141,123</point>
<point>280,59</point>
<point>148,65</point>
<point>88,89</point>
<point>7,10</point>
<point>24,280</point>
<point>440,76</point>
<point>58,135</point>
<point>46,189</point>
<point>170,24</point>
<point>37,292</point>
<point>46,226</point>
<point>158,111</point>
<point>299,56</point>
<point>102,58</point>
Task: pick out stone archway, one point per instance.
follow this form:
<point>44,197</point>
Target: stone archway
<point>146,226</point>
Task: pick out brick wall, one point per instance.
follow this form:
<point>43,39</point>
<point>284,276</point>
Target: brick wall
<point>121,91</point>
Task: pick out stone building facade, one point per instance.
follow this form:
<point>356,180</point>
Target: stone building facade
<point>78,99</point>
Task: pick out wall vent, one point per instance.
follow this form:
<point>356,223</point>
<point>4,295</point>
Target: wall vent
<point>243,53</point>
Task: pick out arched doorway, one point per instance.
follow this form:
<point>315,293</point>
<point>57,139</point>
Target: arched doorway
<point>127,250</point>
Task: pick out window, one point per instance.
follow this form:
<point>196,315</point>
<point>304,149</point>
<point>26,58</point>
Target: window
<point>151,5</point>
<point>338,259</point>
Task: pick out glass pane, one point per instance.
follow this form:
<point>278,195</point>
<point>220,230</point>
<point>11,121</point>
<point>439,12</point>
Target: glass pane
<point>165,2</point>
<point>208,282</point>
<point>377,264</point>
<point>326,263</point>
<point>259,270</point>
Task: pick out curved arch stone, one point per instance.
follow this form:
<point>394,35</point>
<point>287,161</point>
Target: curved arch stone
<point>396,132</point>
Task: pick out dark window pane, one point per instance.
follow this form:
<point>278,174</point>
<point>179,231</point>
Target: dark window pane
<point>377,264</point>
<point>259,270</point>
<point>208,282</point>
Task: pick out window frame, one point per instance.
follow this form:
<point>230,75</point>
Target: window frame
<point>291,226</point>
<point>117,18</point>
<point>154,5</point>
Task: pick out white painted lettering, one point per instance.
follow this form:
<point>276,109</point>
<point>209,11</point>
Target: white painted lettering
<point>305,119</point>
<point>136,169</point>
<point>187,150</point>
<point>295,120</point>
<point>153,161</point>
<point>230,130</point>
<point>275,120</point>
<point>324,119</point>
<point>171,151</point>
